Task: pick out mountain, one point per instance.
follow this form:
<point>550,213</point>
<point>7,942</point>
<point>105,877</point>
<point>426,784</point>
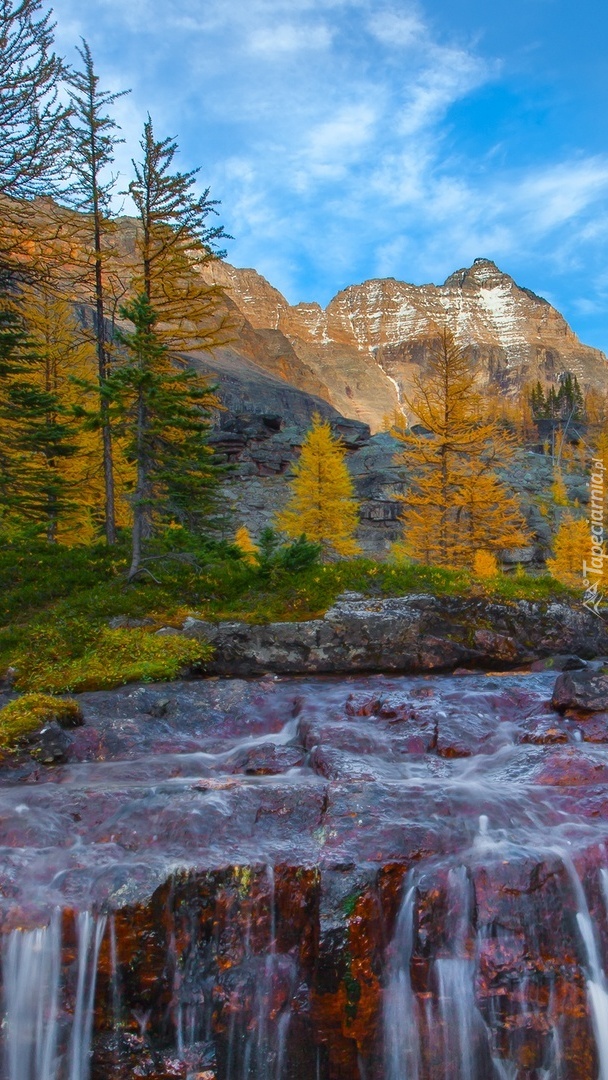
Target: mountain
<point>358,356</point>
<point>360,353</point>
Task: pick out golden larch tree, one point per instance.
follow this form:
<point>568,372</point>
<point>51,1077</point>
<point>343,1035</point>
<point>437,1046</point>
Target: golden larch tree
<point>322,505</point>
<point>456,503</point>
<point>63,366</point>
<point>572,548</point>
<point>246,545</point>
<point>485,565</point>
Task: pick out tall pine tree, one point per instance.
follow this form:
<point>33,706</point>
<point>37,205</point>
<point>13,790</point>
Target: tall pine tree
<point>92,137</point>
<point>31,112</point>
<point>176,236</point>
<point>162,409</point>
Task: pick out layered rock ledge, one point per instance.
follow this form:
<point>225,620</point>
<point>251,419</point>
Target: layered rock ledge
<point>408,634</point>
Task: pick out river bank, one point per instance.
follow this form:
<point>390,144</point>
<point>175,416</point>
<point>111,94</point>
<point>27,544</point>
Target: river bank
<point>408,634</point>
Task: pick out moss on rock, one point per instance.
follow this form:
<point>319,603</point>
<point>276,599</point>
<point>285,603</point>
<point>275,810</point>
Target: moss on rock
<point>26,715</point>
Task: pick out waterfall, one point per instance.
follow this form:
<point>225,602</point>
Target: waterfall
<point>90,935</point>
<point>401,1026</point>
<point>440,1031</point>
<point>258,1041</point>
<point>597,988</point>
<point>31,967</point>
<point>34,992</point>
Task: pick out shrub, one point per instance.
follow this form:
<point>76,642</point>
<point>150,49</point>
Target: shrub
<point>298,556</point>
<point>485,564</point>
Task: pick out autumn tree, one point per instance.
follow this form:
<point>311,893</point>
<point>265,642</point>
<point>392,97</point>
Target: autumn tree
<point>322,505</point>
<point>38,428</point>
<point>176,237</point>
<point>571,548</point>
<point>31,112</point>
<point>600,447</point>
<point>162,410</point>
<point>246,545</point>
<point>456,503</point>
<point>485,564</point>
<point>559,491</point>
<point>92,135</point>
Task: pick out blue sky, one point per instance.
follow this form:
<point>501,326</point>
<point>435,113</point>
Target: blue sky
<point>349,139</point>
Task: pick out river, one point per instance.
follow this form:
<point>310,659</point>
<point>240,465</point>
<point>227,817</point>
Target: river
<point>382,878</point>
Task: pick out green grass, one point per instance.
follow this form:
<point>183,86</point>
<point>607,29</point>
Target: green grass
<point>55,603</point>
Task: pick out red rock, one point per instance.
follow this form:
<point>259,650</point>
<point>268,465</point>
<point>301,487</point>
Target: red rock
<point>571,768</point>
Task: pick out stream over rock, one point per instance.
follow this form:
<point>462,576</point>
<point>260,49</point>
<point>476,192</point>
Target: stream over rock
<point>363,878</point>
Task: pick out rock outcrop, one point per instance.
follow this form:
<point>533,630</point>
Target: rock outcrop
<point>404,634</point>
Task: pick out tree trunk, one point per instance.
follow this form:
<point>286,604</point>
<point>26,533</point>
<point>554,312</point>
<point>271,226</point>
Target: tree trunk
<point>102,366</point>
<point>141,492</point>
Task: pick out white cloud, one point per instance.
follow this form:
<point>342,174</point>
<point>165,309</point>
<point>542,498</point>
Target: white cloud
<point>328,129</point>
<point>557,194</point>
<point>397,30</point>
<point>289,38</point>
<point>333,146</point>
<point>447,77</point>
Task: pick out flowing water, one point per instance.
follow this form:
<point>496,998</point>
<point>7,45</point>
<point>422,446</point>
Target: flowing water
<point>391,877</point>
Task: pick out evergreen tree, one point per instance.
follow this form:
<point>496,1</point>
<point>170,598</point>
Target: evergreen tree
<point>162,410</point>
<point>558,412</point>
<point>92,136</point>
<point>12,347</point>
<point>38,433</point>
<point>570,398</point>
<point>322,505</point>
<point>65,365</point>
<point>456,503</point>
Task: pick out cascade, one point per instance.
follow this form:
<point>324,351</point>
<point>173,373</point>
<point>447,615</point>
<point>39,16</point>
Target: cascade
<point>37,1016</point>
<point>381,878</point>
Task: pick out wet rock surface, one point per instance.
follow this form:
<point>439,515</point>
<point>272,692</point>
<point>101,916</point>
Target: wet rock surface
<point>586,690</point>
<point>366,878</point>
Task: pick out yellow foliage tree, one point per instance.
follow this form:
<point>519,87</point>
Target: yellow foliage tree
<point>456,504</point>
<point>64,368</point>
<point>601,448</point>
<point>558,489</point>
<point>572,547</point>
<point>485,564</point>
<point>243,541</point>
<point>322,504</point>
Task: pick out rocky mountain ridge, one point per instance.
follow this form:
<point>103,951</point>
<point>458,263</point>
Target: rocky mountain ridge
<point>362,351</point>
